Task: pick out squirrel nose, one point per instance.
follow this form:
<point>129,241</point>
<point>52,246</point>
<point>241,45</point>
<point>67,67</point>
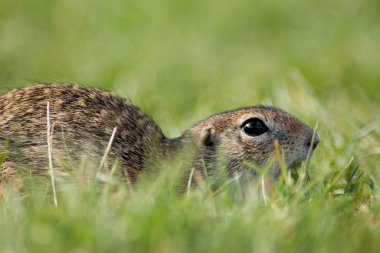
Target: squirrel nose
<point>309,142</point>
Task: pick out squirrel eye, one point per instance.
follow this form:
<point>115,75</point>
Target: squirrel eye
<point>254,127</point>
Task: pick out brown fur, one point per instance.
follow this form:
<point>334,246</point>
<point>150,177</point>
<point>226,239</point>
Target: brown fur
<point>83,120</point>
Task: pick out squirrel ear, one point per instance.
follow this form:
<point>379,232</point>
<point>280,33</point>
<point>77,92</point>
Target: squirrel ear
<point>206,138</point>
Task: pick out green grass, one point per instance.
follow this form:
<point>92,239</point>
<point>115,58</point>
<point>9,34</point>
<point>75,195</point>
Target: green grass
<point>181,61</point>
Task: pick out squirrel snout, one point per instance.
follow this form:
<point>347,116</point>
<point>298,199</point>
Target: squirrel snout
<point>312,143</point>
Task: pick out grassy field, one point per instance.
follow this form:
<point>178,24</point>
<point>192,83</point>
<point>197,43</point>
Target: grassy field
<point>181,61</point>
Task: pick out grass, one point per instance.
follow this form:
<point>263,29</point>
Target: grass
<point>180,62</point>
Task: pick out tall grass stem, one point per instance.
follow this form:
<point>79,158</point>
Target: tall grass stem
<point>49,140</point>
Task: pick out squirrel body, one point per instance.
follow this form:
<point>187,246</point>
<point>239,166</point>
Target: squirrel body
<point>83,120</point>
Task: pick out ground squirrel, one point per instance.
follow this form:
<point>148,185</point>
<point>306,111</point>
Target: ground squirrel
<point>83,120</point>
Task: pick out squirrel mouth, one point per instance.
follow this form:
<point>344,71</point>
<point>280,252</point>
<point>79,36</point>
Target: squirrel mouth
<point>292,166</point>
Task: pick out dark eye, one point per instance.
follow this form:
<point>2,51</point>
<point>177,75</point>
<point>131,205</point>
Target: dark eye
<point>254,127</point>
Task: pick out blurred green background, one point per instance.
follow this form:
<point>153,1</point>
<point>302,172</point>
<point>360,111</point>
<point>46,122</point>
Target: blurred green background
<point>183,60</point>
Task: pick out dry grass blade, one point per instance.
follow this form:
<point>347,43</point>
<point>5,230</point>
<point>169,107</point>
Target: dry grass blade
<point>49,139</point>
<point>106,152</point>
<point>189,181</point>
